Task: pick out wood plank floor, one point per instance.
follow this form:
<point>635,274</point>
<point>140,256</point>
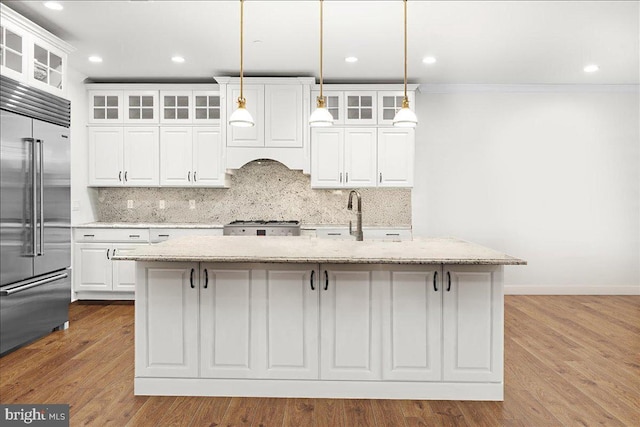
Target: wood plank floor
<point>569,360</point>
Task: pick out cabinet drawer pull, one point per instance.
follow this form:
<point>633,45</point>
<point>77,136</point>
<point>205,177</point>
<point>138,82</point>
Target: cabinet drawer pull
<point>120,176</point>
<point>346,178</point>
<point>114,252</point>
<point>435,281</point>
<point>189,176</point>
<point>393,234</point>
<point>380,176</point>
<point>195,176</point>
<point>206,278</point>
<point>449,279</point>
<point>134,236</point>
<point>313,272</point>
<point>125,176</point>
<point>326,280</point>
<point>163,235</point>
<point>334,234</point>
<point>89,235</point>
<point>191,278</point>
<point>340,177</point>
<point>108,253</point>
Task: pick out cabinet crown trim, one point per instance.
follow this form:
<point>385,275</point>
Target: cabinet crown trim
<point>10,15</point>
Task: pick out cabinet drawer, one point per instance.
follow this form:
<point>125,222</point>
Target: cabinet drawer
<point>388,234</point>
<point>112,235</point>
<point>162,234</point>
<point>334,233</point>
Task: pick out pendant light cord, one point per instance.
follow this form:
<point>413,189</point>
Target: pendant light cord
<point>405,49</point>
<point>241,46</point>
<point>321,37</point>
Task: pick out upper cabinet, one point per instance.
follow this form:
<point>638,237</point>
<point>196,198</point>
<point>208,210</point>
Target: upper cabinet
<point>280,110</point>
<point>31,55</point>
<point>175,106</point>
<point>360,108</point>
<point>389,102</point>
<point>141,106</point>
<point>105,106</point>
<point>207,107</point>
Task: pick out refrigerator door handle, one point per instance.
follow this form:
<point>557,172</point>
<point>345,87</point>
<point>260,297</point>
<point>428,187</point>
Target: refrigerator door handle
<point>34,197</point>
<point>34,284</point>
<point>41,170</point>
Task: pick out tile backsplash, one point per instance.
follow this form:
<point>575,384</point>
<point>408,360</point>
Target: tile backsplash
<point>263,189</point>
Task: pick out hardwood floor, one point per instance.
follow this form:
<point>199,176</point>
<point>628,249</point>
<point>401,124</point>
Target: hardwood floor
<point>569,360</point>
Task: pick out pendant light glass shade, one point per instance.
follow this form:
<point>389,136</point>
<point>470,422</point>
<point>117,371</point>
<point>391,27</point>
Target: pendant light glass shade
<point>405,118</point>
<point>321,117</point>
<point>241,117</point>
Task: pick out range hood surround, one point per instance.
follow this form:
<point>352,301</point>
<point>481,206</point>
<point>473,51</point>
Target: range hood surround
<point>260,189</point>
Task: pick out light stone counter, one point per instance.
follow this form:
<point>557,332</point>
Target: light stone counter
<point>312,250</point>
<point>147,225</point>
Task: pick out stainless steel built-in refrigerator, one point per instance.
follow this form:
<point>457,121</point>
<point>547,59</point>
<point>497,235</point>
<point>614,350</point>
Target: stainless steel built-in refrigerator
<point>35,214</point>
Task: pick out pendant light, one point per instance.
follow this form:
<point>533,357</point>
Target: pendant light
<point>241,117</point>
<point>321,116</point>
<point>405,117</point>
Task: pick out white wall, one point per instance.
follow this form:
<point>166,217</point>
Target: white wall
<point>82,198</point>
<point>548,174</point>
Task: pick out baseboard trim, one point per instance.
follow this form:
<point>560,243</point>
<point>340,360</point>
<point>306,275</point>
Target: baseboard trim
<point>571,290</point>
<point>317,389</point>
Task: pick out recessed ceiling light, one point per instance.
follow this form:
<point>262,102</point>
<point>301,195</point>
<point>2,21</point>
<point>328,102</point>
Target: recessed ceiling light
<point>351,59</point>
<point>429,60</point>
<point>178,59</point>
<point>592,68</point>
<point>95,58</point>
<point>53,5</point>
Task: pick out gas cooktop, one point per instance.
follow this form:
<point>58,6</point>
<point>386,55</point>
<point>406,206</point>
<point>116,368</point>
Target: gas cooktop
<point>262,228</point>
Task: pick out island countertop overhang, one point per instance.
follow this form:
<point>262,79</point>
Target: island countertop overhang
<point>253,249</point>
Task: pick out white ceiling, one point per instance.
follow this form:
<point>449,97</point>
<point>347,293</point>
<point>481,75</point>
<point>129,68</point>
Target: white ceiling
<point>506,42</point>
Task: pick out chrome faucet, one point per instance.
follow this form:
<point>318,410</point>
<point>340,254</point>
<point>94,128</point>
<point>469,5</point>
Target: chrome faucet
<point>358,232</point>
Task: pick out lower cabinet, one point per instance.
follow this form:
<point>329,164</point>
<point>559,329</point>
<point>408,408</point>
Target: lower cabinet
<point>427,323</point>
<point>95,271</point>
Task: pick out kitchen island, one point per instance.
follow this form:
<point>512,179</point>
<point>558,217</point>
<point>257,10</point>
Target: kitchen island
<point>306,317</point>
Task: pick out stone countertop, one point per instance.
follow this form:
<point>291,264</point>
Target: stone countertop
<point>146,225</point>
<point>314,250</point>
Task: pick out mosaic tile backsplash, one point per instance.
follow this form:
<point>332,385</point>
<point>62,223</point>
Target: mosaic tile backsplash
<point>265,190</point>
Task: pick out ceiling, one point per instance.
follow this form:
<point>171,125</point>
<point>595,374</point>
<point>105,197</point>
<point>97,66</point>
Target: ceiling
<point>500,42</point>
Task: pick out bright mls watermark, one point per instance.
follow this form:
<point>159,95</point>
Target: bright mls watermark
<point>34,415</point>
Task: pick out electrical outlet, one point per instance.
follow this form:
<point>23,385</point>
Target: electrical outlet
<point>129,204</point>
<point>161,204</point>
<point>192,204</point>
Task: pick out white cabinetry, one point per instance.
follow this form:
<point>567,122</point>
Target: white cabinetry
<point>128,156</point>
<point>350,324</point>
<point>372,328</point>
<point>93,269</point>
<point>32,55</point>
<point>105,106</point>
<point>411,322</point>
<point>473,313</point>
<point>396,148</point>
<point>361,108</point>
<point>191,156</point>
<point>167,310</point>
<point>280,110</point>
<point>334,102</point>
<point>389,102</point>
<point>141,106</point>
<point>343,158</point>
<point>175,106</point>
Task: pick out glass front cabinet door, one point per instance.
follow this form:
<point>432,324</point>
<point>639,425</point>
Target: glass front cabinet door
<point>334,101</point>
<point>105,106</point>
<point>389,102</point>
<point>48,68</point>
<point>141,107</point>
<point>206,107</point>
<point>12,53</point>
<point>175,106</point>
<point>360,108</point>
